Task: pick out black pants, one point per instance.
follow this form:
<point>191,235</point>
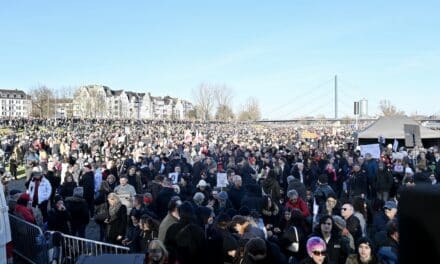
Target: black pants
<point>43,208</point>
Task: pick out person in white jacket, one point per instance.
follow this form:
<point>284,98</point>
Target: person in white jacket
<point>40,190</point>
<point>5,229</point>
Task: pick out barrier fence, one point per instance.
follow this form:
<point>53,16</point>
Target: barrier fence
<point>72,247</point>
<point>29,240</point>
<point>34,246</point>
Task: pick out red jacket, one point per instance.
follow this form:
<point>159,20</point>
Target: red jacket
<point>301,205</point>
<point>25,212</point>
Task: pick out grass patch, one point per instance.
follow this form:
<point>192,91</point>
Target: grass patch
<point>21,171</point>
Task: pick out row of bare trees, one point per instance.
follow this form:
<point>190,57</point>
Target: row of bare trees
<point>215,102</point>
<point>44,100</point>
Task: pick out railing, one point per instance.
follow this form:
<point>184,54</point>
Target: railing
<point>34,246</point>
<point>72,247</point>
<point>28,240</point>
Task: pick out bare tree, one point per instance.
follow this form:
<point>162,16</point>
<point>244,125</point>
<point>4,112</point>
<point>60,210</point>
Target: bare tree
<point>224,113</point>
<point>41,101</point>
<point>192,114</point>
<point>204,97</point>
<point>388,109</point>
<point>251,110</point>
<point>223,97</point>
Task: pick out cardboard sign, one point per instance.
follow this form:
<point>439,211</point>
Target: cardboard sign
<point>174,177</point>
<point>222,179</point>
<point>373,149</point>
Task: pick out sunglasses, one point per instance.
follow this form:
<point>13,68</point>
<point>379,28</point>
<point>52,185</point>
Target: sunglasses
<point>319,253</point>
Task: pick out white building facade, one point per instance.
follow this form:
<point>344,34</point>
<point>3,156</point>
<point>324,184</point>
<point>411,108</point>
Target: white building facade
<point>97,101</point>
<point>15,103</point>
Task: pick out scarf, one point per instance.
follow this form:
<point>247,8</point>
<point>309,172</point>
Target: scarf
<point>113,210</point>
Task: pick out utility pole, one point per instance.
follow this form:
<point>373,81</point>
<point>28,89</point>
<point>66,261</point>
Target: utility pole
<point>336,97</point>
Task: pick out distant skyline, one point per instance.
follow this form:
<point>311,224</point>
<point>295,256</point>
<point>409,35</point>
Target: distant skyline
<point>283,53</point>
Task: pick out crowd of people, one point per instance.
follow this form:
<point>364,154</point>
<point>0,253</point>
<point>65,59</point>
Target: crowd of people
<point>185,192</point>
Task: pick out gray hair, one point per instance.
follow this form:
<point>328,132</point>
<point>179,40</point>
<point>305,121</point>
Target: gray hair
<point>198,198</point>
<point>292,193</point>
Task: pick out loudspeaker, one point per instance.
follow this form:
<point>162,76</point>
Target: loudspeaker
<point>419,224</point>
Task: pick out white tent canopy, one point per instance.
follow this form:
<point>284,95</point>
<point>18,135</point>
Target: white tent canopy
<point>391,127</point>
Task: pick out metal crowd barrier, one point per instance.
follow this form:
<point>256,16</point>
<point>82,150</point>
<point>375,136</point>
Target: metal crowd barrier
<point>36,247</point>
<point>29,241</point>
<point>71,247</point>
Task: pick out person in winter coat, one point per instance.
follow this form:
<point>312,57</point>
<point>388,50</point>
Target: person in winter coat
<point>337,248</point>
<point>66,189</point>
<point>245,229</point>
<point>148,232</point>
<point>134,179</point>
<point>389,251</point>
<point>221,202</point>
<point>222,245</point>
<point>23,210</point>
<point>111,179</point>
<point>59,217</point>
<point>253,198</point>
<point>296,184</point>
<point>271,186</point>
<point>382,217</point>
<point>357,182</point>
<point>171,218</point>
<point>78,208</point>
<point>87,181</point>
<point>133,232</point>
<point>364,253</point>
<point>40,191</point>
<point>237,192</point>
<point>163,198</point>
<point>295,202</point>
<point>353,223</point>
<point>101,208</point>
<point>185,240</point>
<point>384,182</point>
<point>322,191</point>
<point>270,211</point>
<point>117,220</point>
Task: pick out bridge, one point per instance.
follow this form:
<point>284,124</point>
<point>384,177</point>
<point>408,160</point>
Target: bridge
<point>335,96</point>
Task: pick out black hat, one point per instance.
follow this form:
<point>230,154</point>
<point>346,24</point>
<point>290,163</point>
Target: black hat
<point>223,218</point>
<point>256,248</point>
<point>57,198</point>
<point>244,210</point>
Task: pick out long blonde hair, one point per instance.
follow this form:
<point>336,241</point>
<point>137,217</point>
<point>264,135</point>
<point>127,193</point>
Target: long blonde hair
<point>157,244</point>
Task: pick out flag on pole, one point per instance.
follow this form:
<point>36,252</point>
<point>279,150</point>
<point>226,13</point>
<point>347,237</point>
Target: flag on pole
<point>395,145</point>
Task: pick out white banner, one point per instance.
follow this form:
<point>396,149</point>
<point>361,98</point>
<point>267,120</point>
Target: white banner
<point>373,149</point>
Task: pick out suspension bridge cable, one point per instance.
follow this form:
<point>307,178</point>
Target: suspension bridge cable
<point>310,100</point>
<point>277,108</point>
<point>318,102</point>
